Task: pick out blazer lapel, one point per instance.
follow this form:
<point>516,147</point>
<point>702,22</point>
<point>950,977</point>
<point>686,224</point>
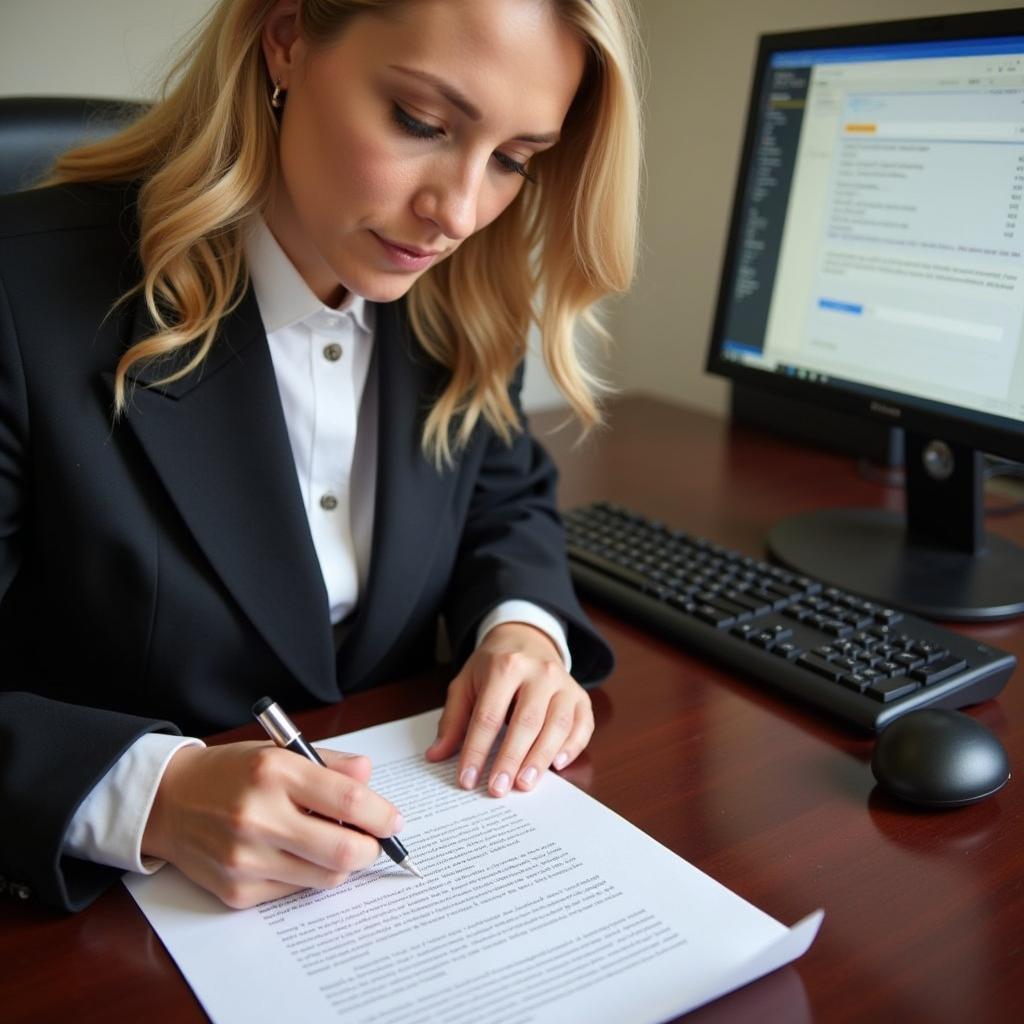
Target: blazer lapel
<point>218,440</point>
<point>412,497</point>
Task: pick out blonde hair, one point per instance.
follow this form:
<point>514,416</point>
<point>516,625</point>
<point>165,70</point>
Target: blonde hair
<point>206,156</point>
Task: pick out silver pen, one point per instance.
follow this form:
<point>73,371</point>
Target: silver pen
<point>283,731</point>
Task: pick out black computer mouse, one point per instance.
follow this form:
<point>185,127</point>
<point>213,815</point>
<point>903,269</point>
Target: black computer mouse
<point>935,757</point>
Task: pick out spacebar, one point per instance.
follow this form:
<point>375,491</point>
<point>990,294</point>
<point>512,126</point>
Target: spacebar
<point>630,577</point>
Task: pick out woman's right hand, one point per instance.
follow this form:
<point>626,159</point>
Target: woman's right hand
<point>233,819</point>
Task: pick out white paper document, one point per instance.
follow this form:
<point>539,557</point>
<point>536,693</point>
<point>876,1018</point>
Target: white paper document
<point>539,907</point>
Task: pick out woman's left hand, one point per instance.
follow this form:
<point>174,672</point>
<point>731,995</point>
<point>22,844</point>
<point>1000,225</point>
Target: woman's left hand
<point>517,666</point>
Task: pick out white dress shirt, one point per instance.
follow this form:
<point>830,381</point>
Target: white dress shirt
<point>321,359</point>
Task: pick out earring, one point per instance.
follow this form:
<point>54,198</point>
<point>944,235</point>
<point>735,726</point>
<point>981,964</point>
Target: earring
<point>277,97</point>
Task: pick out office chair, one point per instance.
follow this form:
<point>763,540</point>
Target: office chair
<point>35,130</point>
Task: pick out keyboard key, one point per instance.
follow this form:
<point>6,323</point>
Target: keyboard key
<point>714,616</point>
<point>888,615</point>
<point>820,667</point>
<point>836,628</point>
<point>887,690</point>
<point>883,632</point>
<point>940,669</point>
<point>769,597</point>
<point>854,618</point>
<point>788,650</point>
<point>753,604</point>
<point>738,612</point>
<point>855,681</point>
<point>870,658</point>
<point>808,586</point>
<point>929,651</point>
<point>908,661</point>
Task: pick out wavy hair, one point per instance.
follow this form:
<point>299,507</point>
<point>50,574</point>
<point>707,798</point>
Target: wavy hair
<point>206,157</point>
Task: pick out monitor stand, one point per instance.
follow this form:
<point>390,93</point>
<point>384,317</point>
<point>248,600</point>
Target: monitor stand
<point>936,560</point>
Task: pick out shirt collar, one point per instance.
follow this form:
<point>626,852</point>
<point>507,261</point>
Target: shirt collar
<point>283,296</point>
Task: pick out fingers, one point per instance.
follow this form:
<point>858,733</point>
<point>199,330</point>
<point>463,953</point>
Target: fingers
<point>323,842</point>
<point>333,794</point>
<point>541,715</point>
<point>455,717</point>
<point>527,752</point>
<point>505,674</point>
<point>579,736</point>
<point>551,722</point>
<point>246,879</point>
<point>318,853</point>
<point>355,766</point>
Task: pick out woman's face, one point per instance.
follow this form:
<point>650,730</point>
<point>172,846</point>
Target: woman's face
<point>411,131</point>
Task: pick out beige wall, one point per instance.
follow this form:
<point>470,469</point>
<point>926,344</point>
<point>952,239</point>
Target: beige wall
<point>701,54</point>
<point>90,47</point>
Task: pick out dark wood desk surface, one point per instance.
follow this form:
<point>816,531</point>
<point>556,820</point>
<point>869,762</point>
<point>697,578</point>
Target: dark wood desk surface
<point>924,911</point>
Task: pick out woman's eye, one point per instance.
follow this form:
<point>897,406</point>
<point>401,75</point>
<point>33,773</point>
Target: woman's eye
<point>414,126</point>
<point>512,166</point>
<point>422,130</point>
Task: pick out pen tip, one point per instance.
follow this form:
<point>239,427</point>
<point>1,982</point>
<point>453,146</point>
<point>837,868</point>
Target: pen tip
<point>409,866</point>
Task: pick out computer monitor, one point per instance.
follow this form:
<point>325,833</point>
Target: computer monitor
<point>874,266</point>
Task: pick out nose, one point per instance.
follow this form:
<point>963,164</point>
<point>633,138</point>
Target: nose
<point>451,199</point>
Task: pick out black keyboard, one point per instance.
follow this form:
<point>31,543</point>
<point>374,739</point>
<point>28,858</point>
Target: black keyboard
<point>849,656</point>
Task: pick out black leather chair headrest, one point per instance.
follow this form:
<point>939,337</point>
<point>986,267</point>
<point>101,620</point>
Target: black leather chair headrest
<point>35,130</point>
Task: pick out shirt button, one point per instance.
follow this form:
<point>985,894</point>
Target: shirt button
<point>332,352</point>
<point>328,502</point>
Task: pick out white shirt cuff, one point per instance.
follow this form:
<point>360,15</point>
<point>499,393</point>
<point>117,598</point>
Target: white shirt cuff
<point>107,827</point>
<point>532,615</point>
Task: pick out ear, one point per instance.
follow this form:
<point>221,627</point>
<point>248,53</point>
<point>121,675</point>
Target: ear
<point>282,44</point>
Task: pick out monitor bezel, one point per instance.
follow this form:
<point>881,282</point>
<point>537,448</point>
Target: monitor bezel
<point>1005,438</point>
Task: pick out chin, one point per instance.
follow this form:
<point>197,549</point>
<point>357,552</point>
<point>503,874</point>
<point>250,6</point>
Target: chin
<point>383,288</point>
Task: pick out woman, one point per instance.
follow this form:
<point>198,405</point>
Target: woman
<point>314,261</point>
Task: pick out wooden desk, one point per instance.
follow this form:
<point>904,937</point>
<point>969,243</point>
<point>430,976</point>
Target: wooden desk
<point>924,911</point>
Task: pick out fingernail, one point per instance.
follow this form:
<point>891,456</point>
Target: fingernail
<point>561,760</point>
<point>500,784</point>
<point>399,823</point>
<point>529,777</point>
<point>467,780</point>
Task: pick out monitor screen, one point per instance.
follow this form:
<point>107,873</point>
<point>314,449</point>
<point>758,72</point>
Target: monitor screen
<point>875,265</point>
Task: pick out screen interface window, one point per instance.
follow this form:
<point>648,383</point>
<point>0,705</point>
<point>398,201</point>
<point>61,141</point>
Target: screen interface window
<point>880,240</point>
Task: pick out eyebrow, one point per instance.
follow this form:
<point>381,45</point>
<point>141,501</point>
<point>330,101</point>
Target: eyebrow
<point>460,102</point>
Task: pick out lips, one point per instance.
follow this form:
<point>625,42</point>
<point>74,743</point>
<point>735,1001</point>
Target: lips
<point>412,250</point>
<point>406,257</point>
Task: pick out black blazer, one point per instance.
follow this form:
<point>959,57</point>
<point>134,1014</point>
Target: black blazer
<point>158,573</point>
